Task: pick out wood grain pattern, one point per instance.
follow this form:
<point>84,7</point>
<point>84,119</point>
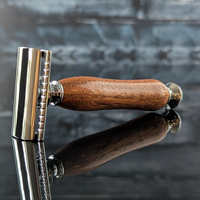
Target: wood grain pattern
<point>89,93</point>
<point>90,152</point>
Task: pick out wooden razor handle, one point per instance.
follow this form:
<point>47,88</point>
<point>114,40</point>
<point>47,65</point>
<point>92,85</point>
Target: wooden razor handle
<point>90,152</point>
<point>89,93</point>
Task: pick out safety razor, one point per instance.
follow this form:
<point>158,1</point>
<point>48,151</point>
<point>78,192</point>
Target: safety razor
<point>33,93</point>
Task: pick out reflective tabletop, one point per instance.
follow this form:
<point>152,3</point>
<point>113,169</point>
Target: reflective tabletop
<point>139,159</point>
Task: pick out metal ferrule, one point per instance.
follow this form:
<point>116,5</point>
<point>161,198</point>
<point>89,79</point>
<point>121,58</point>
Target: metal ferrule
<point>55,168</point>
<point>56,93</point>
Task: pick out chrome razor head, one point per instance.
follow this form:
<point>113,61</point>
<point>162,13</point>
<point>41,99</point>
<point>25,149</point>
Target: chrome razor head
<point>32,81</point>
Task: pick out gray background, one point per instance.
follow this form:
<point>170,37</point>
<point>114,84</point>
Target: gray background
<point>110,39</point>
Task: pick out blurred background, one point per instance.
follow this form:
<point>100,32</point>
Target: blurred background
<point>118,39</point>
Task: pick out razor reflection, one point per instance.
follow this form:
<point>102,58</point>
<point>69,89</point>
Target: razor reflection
<point>87,153</point>
<point>90,152</point>
<point>30,161</point>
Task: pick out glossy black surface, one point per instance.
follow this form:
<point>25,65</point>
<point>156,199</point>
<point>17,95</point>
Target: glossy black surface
<point>122,40</point>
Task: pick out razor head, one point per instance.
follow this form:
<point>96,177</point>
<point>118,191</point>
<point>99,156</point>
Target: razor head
<point>32,81</point>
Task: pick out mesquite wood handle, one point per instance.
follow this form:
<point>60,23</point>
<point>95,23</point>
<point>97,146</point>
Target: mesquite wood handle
<point>89,93</point>
<point>90,152</point>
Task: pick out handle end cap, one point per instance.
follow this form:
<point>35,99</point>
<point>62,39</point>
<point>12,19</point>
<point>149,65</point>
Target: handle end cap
<point>176,94</point>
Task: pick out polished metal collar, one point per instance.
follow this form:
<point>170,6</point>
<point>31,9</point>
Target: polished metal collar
<point>56,93</point>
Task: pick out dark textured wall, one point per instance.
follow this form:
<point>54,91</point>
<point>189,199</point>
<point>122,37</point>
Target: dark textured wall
<point>110,39</point>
